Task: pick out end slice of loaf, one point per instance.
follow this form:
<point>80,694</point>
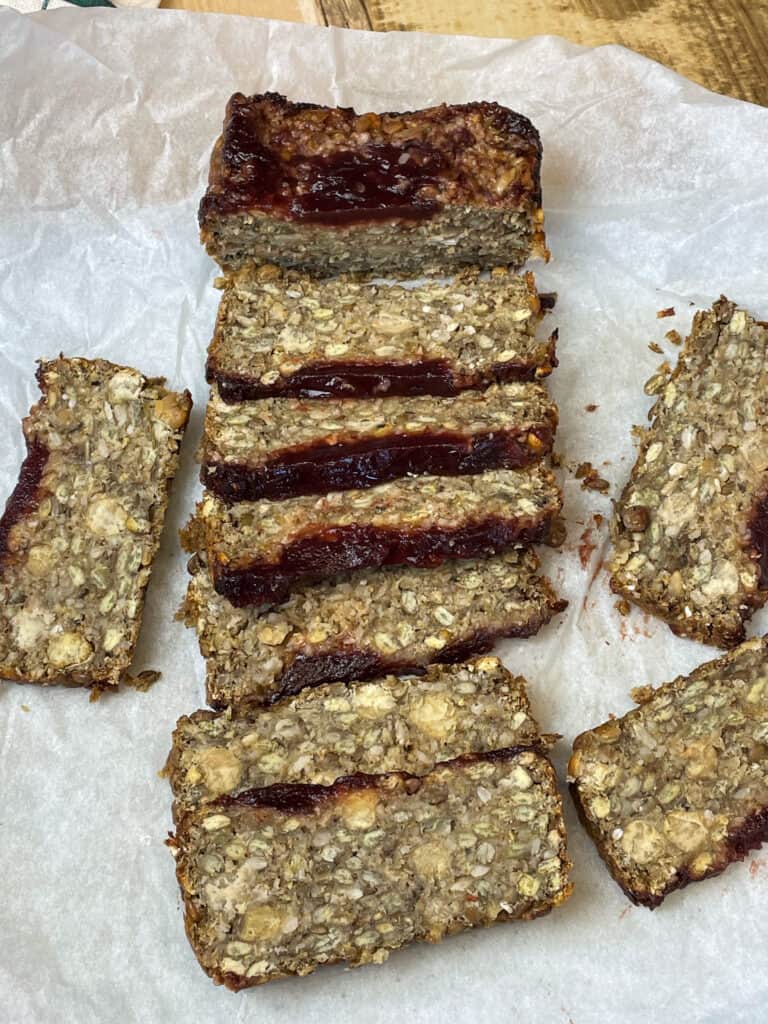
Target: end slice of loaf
<point>328,190</point>
<point>677,789</point>
<point>691,528</point>
<point>82,527</point>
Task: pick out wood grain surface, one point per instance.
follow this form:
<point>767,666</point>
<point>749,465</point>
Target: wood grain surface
<point>723,44</point>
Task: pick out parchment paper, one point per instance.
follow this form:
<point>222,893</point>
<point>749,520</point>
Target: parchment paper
<point>655,194</point>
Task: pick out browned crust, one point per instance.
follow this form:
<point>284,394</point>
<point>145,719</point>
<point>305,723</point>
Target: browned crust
<point>739,842</point>
<point>25,497</point>
<point>705,635</point>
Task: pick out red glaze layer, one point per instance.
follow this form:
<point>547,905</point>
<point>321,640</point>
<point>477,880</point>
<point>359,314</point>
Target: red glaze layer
<point>342,549</point>
<point>322,468</point>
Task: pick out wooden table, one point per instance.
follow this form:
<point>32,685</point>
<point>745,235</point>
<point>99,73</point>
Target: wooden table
<point>721,43</point>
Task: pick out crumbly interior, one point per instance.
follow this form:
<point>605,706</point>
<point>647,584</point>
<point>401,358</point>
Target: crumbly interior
<point>371,866</point>
<point>272,325</point>
<point>682,531</point>
<point>397,617</point>
<point>454,238</point>
<point>252,433</point>
<point>77,561</point>
<point>386,725</point>
<point>262,532</point>
<point>669,790</point>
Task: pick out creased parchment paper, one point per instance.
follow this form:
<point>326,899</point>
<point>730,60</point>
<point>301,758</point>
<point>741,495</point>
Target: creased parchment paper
<point>655,195</point>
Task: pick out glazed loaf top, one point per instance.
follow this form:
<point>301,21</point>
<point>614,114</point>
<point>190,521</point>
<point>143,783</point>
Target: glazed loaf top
<point>330,165</point>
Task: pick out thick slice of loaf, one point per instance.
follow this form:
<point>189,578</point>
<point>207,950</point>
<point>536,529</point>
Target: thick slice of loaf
<point>677,789</point>
<point>387,725</point>
<point>279,881</point>
<point>365,624</point>
<point>284,447</point>
<point>328,190</point>
<point>289,334</point>
<point>691,528</point>
<point>83,525</point>
<point>260,551</point>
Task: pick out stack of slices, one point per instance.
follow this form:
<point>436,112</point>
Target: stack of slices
<point>373,459</point>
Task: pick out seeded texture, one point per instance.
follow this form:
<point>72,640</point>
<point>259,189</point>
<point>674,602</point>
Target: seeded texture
<point>260,551</point>
<point>83,525</point>
<point>283,447</point>
<point>284,333</point>
<point>279,881</point>
<point>677,789</point>
<point>690,529</point>
<point>387,725</point>
<point>328,190</point>
<point>365,624</point>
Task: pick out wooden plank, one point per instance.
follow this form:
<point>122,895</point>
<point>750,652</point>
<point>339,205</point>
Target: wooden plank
<point>723,44</point>
<point>285,10</point>
<point>346,13</point>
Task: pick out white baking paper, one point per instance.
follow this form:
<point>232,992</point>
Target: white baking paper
<point>655,195</point>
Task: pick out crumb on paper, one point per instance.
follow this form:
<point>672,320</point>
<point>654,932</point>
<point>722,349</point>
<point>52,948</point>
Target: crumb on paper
<point>548,300</point>
<point>630,629</point>
<point>143,680</point>
<point>622,606</point>
<point>598,519</point>
<point>556,459</point>
<point>675,337</point>
<point>25,707</point>
<point>669,311</point>
<point>557,533</point>
<point>140,682</point>
<point>655,348</point>
<point>590,478</point>
<point>591,407</point>
<point>658,381</point>
<point>758,864</point>
<point>586,547</point>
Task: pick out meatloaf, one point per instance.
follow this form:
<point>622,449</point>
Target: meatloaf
<point>279,881</point>
<point>285,333</point>
<point>691,528</point>
<point>392,724</point>
<point>328,190</point>
<point>677,789</point>
<point>259,551</point>
<point>364,624</point>
<point>82,527</point>
<point>283,447</point>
